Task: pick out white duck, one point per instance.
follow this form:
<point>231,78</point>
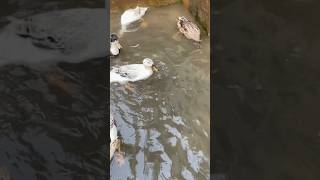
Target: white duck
<point>133,15</point>
<point>115,141</point>
<point>132,72</point>
<point>71,35</point>
<point>113,130</point>
<point>115,46</point>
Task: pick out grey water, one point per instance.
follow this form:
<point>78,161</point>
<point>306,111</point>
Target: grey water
<point>165,121</point>
<point>50,112</point>
<point>266,90</point>
<point>70,35</point>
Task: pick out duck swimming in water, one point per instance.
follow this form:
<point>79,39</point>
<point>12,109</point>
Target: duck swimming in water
<point>132,72</point>
<point>131,19</point>
<point>115,46</point>
<point>188,28</point>
<point>115,140</point>
<point>71,35</point>
<point>133,15</point>
<point>113,130</point>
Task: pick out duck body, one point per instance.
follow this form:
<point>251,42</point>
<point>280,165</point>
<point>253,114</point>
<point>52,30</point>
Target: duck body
<point>114,49</point>
<point>71,35</point>
<point>132,72</point>
<point>115,45</point>
<point>188,28</point>
<point>115,141</point>
<point>133,15</point>
<point>113,130</point>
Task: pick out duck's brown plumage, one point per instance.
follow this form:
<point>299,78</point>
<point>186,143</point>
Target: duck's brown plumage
<point>188,28</point>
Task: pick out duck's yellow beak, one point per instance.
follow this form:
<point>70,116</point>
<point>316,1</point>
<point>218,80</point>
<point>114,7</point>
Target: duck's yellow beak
<point>154,68</point>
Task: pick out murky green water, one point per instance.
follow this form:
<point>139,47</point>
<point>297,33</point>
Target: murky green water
<point>165,122</point>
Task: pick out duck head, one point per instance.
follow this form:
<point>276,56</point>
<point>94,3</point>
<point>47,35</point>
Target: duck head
<point>182,19</point>
<point>148,63</point>
<point>112,122</point>
<point>114,39</point>
<point>141,10</point>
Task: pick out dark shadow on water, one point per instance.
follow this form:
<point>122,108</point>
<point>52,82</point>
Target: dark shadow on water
<point>266,90</point>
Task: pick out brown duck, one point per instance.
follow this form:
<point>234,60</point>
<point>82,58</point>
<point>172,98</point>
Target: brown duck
<point>188,28</point>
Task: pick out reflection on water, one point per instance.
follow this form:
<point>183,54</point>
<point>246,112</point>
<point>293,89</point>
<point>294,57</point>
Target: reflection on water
<point>54,36</point>
<point>165,122</point>
<point>48,115</point>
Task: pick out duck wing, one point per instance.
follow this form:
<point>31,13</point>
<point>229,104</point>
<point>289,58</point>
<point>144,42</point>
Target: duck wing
<point>133,15</point>
<point>128,71</point>
<point>191,30</point>
<point>70,35</point>
<point>40,37</point>
<point>66,30</point>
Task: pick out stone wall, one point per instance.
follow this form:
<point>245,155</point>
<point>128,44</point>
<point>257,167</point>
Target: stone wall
<point>200,9</point>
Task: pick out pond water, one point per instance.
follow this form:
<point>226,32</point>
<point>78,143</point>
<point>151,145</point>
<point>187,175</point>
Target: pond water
<point>165,122</point>
<point>50,112</point>
<point>266,90</point>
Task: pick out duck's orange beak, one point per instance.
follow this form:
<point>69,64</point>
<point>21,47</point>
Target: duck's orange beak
<point>154,68</point>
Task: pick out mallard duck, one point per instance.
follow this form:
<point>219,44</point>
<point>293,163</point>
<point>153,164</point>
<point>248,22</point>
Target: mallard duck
<point>133,15</point>
<point>188,28</point>
<point>71,35</point>
<point>115,46</point>
<point>132,72</point>
<point>115,141</point>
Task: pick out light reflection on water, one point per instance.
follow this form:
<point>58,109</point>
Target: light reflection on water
<point>165,122</point>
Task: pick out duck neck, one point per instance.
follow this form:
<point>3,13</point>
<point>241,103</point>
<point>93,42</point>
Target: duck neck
<point>114,44</point>
<point>112,123</point>
<point>148,68</point>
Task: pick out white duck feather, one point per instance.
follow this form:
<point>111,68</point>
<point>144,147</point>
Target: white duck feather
<point>113,130</point>
<point>115,45</point>
<point>71,35</point>
<point>132,72</point>
<point>133,15</point>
